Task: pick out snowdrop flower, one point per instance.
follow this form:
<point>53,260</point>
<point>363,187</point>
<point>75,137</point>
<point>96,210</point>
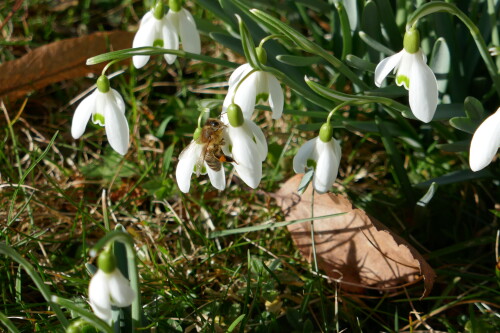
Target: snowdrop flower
<point>107,109</point>
<point>412,73</point>
<point>185,27</point>
<point>323,153</point>
<point>247,86</point>
<point>109,287</point>
<point>248,145</point>
<point>191,160</point>
<point>155,30</point>
<point>485,142</point>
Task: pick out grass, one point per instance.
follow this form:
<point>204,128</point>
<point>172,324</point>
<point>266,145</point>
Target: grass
<point>53,189</point>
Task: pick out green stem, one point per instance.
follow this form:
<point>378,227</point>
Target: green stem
<point>150,50</point>
<point>335,109</point>
<point>126,239</point>
<point>87,315</point>
<point>273,36</point>
<point>109,65</point>
<point>435,7</point>
<point>40,284</point>
<point>240,82</point>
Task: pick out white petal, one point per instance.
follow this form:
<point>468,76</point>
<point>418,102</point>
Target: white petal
<point>276,98</point>
<point>386,66</point>
<point>118,100</point>
<point>116,125</point>
<point>99,295</point>
<point>327,166</point>
<point>145,36</point>
<point>485,142</point>
<point>82,115</point>
<point>245,153</point>
<point>260,138</point>
<point>423,92</point>
<point>187,160</point>
<point>217,178</point>
<point>239,73</point>
<point>170,39</point>
<point>119,289</point>
<point>305,153</point>
<point>246,94</point>
<point>188,33</point>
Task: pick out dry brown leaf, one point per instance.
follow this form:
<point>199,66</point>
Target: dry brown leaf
<point>354,248</point>
<point>58,61</point>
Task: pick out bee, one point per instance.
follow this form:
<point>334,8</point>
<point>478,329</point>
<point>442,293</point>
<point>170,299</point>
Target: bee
<point>212,139</point>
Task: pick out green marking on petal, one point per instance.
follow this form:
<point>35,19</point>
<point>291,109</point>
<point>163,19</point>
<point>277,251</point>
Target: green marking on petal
<point>98,119</point>
<point>262,97</point>
<point>158,43</point>
<point>311,163</point>
<point>403,80</point>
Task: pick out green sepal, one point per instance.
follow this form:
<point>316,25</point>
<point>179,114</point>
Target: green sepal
<point>103,84</point>
<point>261,55</point>
<point>175,5</point>
<point>235,115</point>
<point>326,132</point>
<point>411,41</point>
<point>197,133</point>
<point>159,10</point>
<point>106,261</point>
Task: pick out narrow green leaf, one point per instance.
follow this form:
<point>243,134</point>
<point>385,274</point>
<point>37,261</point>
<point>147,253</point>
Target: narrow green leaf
<point>228,232</point>
<point>463,124</point>
<point>440,63</point>
<point>298,61</point>
<point>228,41</point>
<point>397,162</point>
<point>474,109</point>
<point>455,147</point>
<point>374,44</point>
<point>235,323</point>
<point>305,181</point>
<point>424,201</point>
<point>87,315</point>
<point>248,44</point>
<point>457,177</point>
<point>7,323</point>
<point>345,28</point>
<point>388,21</point>
<point>370,25</point>
<point>359,63</point>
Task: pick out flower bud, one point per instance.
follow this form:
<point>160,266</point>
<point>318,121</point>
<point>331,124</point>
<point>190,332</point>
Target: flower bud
<point>411,41</point>
<point>106,261</point>
<point>175,5</point>
<point>261,55</point>
<point>197,133</point>
<point>159,10</point>
<point>103,84</point>
<point>235,115</point>
<point>326,132</point>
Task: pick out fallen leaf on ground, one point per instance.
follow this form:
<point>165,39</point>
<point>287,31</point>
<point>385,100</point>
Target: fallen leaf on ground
<point>353,248</point>
<point>61,60</point>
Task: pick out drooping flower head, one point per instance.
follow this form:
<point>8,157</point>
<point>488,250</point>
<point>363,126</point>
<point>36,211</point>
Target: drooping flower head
<point>109,287</point>
<point>185,27</point>
<point>413,73</point>
<point>322,153</point>
<point>106,107</point>
<point>246,144</point>
<point>192,160</point>
<point>485,142</point>
<point>155,30</point>
<point>248,86</point>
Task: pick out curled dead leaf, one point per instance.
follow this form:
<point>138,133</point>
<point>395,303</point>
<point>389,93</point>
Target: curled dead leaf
<point>353,248</point>
<point>61,60</point>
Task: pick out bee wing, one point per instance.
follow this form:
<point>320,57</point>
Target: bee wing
<point>198,167</point>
